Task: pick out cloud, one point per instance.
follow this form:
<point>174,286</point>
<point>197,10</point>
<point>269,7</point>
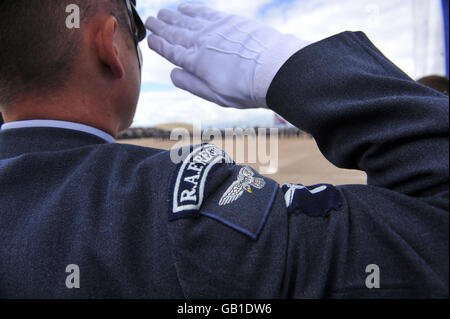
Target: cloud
<point>158,107</point>
<point>155,69</point>
<point>394,26</point>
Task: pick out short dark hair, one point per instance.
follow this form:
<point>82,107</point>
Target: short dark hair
<point>437,82</point>
<point>37,50</point>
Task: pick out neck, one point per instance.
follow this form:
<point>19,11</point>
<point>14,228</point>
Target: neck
<point>83,112</point>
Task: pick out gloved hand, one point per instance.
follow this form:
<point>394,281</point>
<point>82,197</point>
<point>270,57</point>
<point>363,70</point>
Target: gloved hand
<point>226,59</point>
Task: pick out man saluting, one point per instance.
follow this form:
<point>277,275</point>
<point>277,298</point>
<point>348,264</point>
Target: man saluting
<point>138,225</point>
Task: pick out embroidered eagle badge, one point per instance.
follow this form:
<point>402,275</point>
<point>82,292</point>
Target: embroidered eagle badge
<point>244,181</point>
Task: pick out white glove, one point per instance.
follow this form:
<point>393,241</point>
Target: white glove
<point>226,59</point>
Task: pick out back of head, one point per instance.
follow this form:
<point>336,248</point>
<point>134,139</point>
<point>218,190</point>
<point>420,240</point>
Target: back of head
<point>437,82</point>
<point>38,51</point>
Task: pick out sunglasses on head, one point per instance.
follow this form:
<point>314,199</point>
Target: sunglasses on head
<point>137,26</point>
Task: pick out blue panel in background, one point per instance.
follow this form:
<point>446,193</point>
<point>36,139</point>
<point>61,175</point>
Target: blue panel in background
<point>445,12</point>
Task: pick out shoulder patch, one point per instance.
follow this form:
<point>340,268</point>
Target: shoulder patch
<point>243,202</point>
<point>315,201</point>
<point>188,187</point>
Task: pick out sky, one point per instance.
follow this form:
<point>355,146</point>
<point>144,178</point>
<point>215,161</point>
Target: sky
<point>409,32</point>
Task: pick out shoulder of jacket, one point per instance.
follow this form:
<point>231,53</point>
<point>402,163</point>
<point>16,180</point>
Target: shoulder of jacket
<point>208,183</point>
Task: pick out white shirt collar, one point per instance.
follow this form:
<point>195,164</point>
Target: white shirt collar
<point>59,124</point>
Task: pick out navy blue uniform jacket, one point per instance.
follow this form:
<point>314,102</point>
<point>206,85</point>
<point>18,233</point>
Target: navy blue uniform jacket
<point>139,225</point>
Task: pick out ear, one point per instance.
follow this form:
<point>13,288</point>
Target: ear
<point>108,50</point>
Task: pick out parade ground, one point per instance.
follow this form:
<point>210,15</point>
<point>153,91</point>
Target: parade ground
<point>299,161</point>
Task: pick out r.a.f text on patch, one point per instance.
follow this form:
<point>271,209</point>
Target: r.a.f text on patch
<point>189,186</point>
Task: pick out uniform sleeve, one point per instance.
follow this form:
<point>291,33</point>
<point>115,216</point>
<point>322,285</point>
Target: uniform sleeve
<point>367,114</point>
<point>227,228</point>
<point>323,241</point>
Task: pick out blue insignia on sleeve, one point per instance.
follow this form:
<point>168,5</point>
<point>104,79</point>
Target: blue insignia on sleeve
<point>188,187</point>
<point>314,201</point>
<point>243,202</point>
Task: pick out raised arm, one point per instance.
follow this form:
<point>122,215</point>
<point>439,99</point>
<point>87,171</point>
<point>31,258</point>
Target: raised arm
<point>365,113</point>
